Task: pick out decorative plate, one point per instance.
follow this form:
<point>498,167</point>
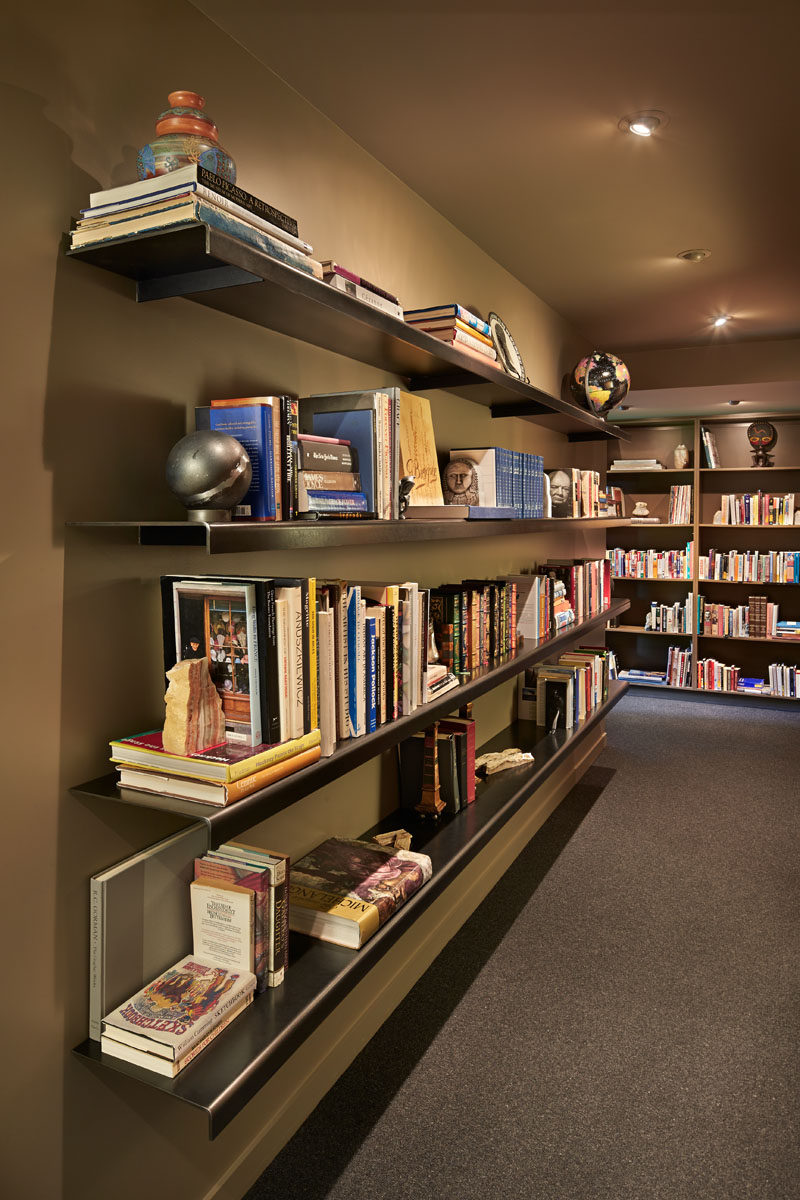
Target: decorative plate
<point>508,355</point>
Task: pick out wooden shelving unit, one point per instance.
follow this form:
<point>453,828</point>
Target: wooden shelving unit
<point>658,439</point>
<point>217,270</point>
<point>246,1055</point>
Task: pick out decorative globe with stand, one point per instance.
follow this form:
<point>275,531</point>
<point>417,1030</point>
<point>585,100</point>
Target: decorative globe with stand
<point>184,134</point>
<point>600,382</point>
<point>210,473</point>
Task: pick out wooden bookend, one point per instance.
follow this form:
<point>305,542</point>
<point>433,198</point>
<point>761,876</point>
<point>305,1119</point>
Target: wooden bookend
<point>398,839</point>
<point>194,719</point>
<point>431,803</point>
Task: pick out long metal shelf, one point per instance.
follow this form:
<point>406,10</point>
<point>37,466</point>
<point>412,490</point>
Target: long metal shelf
<point>242,536</point>
<point>241,1060</point>
<point>712,693</point>
<point>219,271</point>
<point>225,823</point>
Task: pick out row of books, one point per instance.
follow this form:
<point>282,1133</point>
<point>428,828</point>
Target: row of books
<point>651,564</point>
<point>456,326</point>
<point>437,767</point>
<point>750,566</point>
<point>574,492</point>
<point>242,911</point>
<point>558,695</point>
<point>757,619</point>
<point>757,508</point>
<point>495,477</point>
<point>671,618</point>
<point>344,454</point>
<point>680,504</point>
<point>715,676</point>
<point>188,196</point>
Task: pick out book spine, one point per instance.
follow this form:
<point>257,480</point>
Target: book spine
<point>371,673</point>
<point>253,204</point>
<point>353,622</point>
<point>324,501</point>
<point>97,1004</point>
<point>329,268</point>
<point>330,481</point>
<point>311,655</point>
<point>252,426</point>
<point>275,754</point>
<point>324,456</point>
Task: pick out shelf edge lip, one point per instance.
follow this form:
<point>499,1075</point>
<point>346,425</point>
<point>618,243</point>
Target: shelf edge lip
<point>234,1097</point>
<point>228,821</point>
<point>222,538</point>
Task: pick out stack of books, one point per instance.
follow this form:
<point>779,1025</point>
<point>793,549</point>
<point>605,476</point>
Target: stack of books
<point>166,1024</point>
<point>193,195</point>
<point>457,326</point>
<point>636,464</point>
<point>345,280</point>
<point>328,479</point>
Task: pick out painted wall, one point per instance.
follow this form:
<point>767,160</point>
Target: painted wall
<point>96,390</point>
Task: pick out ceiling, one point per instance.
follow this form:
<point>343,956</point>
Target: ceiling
<point>505,118</point>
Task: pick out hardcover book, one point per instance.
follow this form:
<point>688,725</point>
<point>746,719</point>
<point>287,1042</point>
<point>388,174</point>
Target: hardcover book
<point>418,450</point>
<point>196,172</point>
<point>344,890</point>
<point>183,787</point>
<point>139,921</point>
<point>178,1008</point>
<point>224,763</point>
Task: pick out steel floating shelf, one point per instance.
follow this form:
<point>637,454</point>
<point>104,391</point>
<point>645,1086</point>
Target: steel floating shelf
<point>215,269</point>
<point>228,822</point>
<point>236,1065</point>
<point>240,536</point>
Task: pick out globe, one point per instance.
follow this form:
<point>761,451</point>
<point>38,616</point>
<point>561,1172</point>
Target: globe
<point>600,381</point>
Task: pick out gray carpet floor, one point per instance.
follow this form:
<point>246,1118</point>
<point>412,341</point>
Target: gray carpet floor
<point>619,1017</point>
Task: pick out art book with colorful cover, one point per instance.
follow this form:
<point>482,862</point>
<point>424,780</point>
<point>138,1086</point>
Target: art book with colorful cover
<point>176,1010</point>
<point>344,890</point>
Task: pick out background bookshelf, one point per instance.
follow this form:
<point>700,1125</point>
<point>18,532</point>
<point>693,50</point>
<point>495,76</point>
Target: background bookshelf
<point>645,649</point>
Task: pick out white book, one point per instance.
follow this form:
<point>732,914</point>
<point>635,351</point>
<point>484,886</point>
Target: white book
<point>294,621</point>
<point>327,681</point>
<point>222,923</point>
<point>169,194</point>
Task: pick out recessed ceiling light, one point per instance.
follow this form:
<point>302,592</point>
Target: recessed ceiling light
<point>720,321</point>
<point>645,124</point>
<point>694,255</point>
<point>733,403</point>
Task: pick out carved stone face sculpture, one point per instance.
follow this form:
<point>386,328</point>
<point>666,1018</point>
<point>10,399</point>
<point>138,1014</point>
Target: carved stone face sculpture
<point>460,482</point>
